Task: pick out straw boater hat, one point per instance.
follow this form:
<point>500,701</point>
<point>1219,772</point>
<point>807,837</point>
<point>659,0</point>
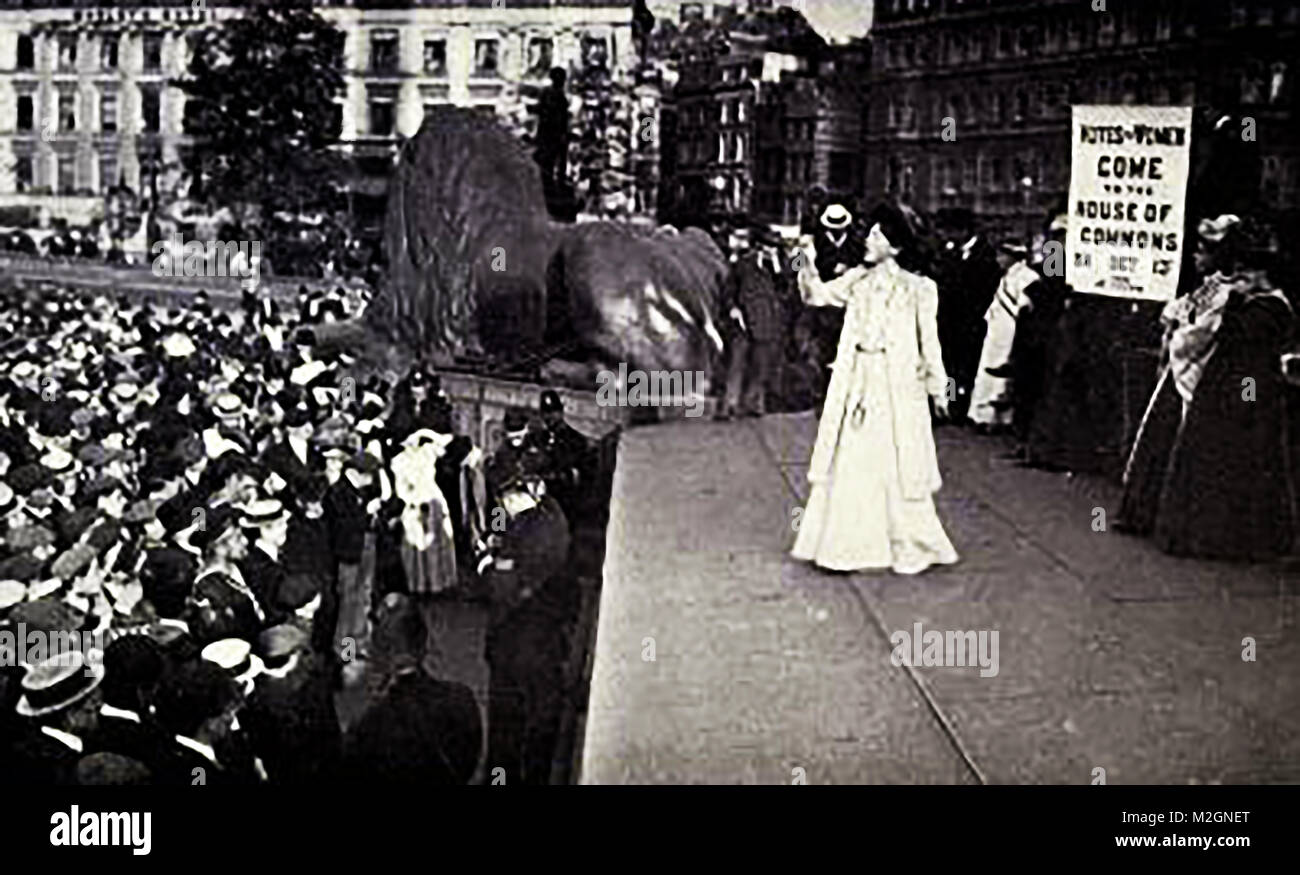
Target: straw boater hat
<point>228,404</point>
<point>262,511</point>
<point>178,345</point>
<point>234,656</point>
<point>59,682</point>
<point>12,592</point>
<point>836,217</point>
<point>57,460</point>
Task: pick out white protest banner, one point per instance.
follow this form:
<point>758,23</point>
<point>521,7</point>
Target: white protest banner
<point>1128,189</point>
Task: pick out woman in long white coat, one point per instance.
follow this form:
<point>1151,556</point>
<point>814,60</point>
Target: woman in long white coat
<point>874,470</point>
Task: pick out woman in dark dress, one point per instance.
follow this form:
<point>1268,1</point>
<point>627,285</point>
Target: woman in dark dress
<point>1210,475</point>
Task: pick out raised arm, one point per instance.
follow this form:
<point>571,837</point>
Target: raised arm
<point>835,293</point>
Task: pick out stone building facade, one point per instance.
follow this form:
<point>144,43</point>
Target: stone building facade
<point>86,99</point>
<point>1001,76</point>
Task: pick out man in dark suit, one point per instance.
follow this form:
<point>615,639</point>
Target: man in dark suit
<point>133,666</point>
<point>290,716</point>
<point>293,459</point>
<point>756,327</point>
<point>420,731</point>
<point>197,704</point>
<point>839,244</point>
<point>60,705</point>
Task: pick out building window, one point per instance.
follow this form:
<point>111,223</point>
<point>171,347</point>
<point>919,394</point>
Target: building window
<point>722,112</point>
<point>23,172</point>
<point>739,147</point>
<point>1106,30</point>
<point>722,147</point>
<point>435,57</point>
<point>26,52</point>
<point>153,44</point>
<point>107,173</point>
<point>67,173</point>
<point>382,116</point>
<point>336,119</point>
<point>595,51</point>
<point>740,111</point>
<point>485,57</point>
<point>432,106</point>
<point>67,111</point>
<point>25,113</point>
<point>108,112</point>
<point>108,52</point>
<point>968,174</point>
<point>67,51</point>
<point>541,52</point>
<point>1028,41</point>
<point>150,110</point>
<point>383,51</point>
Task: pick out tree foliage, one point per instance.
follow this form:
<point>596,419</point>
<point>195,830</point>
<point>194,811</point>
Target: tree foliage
<point>261,104</point>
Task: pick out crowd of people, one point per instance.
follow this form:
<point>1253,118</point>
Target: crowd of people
<point>235,530</point>
<point>1206,468</point>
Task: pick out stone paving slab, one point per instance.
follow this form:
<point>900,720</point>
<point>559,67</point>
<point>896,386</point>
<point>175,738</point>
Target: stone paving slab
<point>1111,654</point>
<point>761,665</point>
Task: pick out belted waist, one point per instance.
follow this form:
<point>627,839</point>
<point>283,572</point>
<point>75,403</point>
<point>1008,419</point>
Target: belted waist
<point>868,349</point>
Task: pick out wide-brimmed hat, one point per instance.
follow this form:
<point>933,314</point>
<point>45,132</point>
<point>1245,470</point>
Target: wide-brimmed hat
<point>515,421</point>
<point>262,512</point>
<point>1215,230</point>
<point>228,404</point>
<point>895,225</point>
<point>279,643</point>
<point>178,345</point>
<point>836,217</point>
<point>125,390</point>
<point>59,682</point>
<point>235,657</point>
<point>12,592</point>
<point>57,460</point>
<point>425,436</point>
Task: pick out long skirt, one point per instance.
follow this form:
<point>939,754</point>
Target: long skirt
<point>987,388</point>
<point>859,519</point>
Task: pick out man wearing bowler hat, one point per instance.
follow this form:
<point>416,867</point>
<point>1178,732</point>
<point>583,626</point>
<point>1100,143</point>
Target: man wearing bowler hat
<point>755,321</point>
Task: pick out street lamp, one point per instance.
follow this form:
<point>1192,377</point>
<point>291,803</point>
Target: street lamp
<point>1028,184</point>
<point>719,184</point>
